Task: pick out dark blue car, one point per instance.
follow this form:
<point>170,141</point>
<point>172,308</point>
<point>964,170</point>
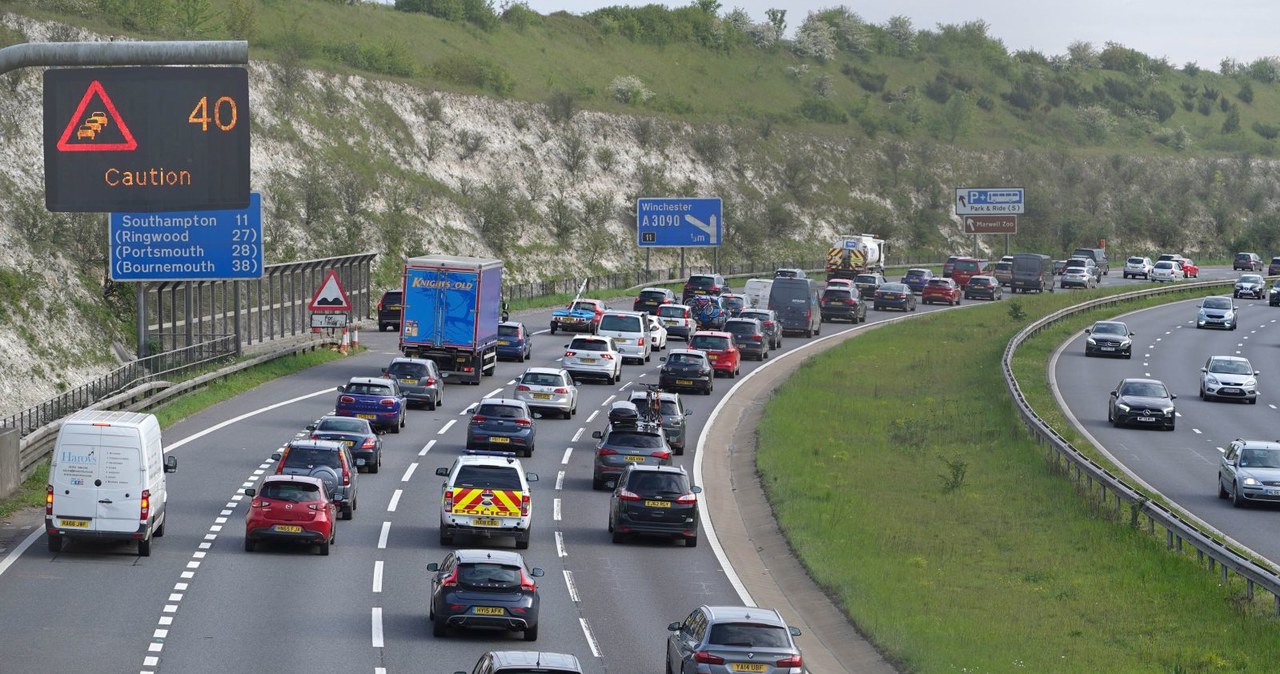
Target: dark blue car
<point>917,279</point>
<point>375,399</point>
<point>514,341</point>
<point>502,423</point>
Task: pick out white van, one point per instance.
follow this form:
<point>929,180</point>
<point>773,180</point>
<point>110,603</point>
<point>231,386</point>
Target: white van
<point>757,292</point>
<point>107,480</point>
<point>630,333</point>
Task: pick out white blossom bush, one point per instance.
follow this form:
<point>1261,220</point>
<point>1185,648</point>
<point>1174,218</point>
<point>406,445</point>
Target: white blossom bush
<point>630,89</point>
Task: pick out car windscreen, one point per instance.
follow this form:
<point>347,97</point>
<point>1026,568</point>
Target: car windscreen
<point>508,331</point>
<point>1216,303</point>
<point>671,312</point>
<point>658,295</point>
<point>369,389</point>
<point>1076,262</point>
<point>837,294</point>
<point>894,288</point>
<point>1144,390</point>
<point>685,359</point>
<point>1004,266</point>
<point>757,315</point>
<point>296,492</point>
<point>1260,458</point>
<point>583,306</point>
<point>488,477</point>
<point>1136,260</point>
<point>1164,264</point>
<point>1230,367</point>
<point>709,343</point>
<point>701,281</point>
<point>621,323</point>
<point>961,265</point>
<point>740,327</point>
<point>407,370</point>
<point>541,379</point>
<point>1251,278</point>
<point>651,483</point>
<point>732,302</point>
<point>1110,329</point>
<point>488,576</point>
<point>392,297</point>
<point>979,281</point>
<point>588,345</point>
<point>343,425</point>
<point>623,439</point>
<point>749,635</point>
<point>500,411</point>
<point>785,273</point>
<point>865,278</point>
<point>937,283</point>
<point>918,273</point>
<point>310,457</point>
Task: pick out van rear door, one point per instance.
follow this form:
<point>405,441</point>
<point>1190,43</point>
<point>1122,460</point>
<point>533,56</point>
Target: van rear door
<point>122,480</point>
<point>74,472</point>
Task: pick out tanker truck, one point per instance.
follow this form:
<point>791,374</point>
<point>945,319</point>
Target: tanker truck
<point>854,254</point>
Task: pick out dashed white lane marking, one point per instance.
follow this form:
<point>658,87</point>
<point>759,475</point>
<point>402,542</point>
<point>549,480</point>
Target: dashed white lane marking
<point>1196,431</point>
<point>493,393</point>
<point>643,374</point>
<point>376,618</point>
<point>1177,414</point>
<point>560,551</point>
<point>1146,365</point>
<point>607,401</point>
<point>1146,374</point>
<point>578,434</point>
<point>1168,332</point>
<point>511,382</point>
<point>159,634</point>
<point>555,510</point>
<point>395,500</point>
<point>573,588</point>
<point>382,537</point>
<point>447,425</point>
<point>408,472</point>
<point>379,670</point>
<point>1159,338</point>
<point>165,620</point>
<point>565,461</point>
<point>623,387</point>
<point>467,410</point>
<point>560,476</point>
<point>591,638</point>
<point>377,576</point>
<point>426,448</point>
<point>593,416</point>
<point>1271,406</point>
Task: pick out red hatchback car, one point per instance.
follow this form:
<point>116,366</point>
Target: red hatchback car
<point>943,290</point>
<point>721,350</point>
<point>290,508</point>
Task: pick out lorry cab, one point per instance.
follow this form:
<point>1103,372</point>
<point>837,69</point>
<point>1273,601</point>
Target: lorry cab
<point>107,480</point>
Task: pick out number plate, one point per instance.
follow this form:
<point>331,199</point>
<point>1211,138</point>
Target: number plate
<point>657,504</point>
<point>1108,348</point>
<point>288,528</point>
<point>489,610</point>
<point>366,416</point>
<point>589,360</point>
<point>485,522</point>
<point>1230,389</point>
<point>499,439</point>
<point>635,457</point>
<point>1146,418</point>
<point>359,462</point>
<point>748,667</point>
<point>711,356</point>
<point>408,381</point>
<point>684,382</point>
<point>74,524</point>
<point>669,321</point>
<point>542,396</point>
<point>504,342</point>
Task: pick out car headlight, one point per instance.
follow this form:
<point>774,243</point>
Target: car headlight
<point>1251,383</point>
<point>1126,342</point>
<point>1091,342</point>
<point>1168,412</point>
<point>1251,482</point>
<point>1211,380</point>
<point>1122,407</point>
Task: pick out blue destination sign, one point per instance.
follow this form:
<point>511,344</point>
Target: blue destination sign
<point>188,245</point>
<point>674,222</point>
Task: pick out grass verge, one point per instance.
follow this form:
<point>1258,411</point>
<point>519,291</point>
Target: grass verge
<point>897,467</point>
<point>32,490</point>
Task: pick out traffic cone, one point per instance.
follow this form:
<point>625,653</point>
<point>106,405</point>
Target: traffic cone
<point>355,338</point>
<point>345,345</point>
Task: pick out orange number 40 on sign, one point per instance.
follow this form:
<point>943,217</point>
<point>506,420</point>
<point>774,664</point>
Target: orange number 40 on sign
<point>224,113</point>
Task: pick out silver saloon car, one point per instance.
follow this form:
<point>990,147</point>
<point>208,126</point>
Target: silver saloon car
<point>1250,471</point>
<point>723,639</point>
<point>1229,377</point>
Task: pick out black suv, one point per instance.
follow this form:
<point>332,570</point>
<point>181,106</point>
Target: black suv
<point>703,284</point>
<point>749,335</point>
<point>842,304</point>
<point>769,321</point>
<point>1246,262</point>
<point>621,446</point>
<point>654,500</point>
<point>390,308</point>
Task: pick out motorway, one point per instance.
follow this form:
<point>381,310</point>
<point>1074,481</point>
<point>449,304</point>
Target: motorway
<point>1183,465</point>
<point>202,604</point>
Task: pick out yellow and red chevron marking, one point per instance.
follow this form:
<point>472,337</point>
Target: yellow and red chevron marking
<point>472,502</point>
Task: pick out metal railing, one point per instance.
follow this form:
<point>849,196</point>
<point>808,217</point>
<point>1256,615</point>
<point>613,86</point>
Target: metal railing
<point>176,362</point>
<point>1097,480</point>
<point>639,277</point>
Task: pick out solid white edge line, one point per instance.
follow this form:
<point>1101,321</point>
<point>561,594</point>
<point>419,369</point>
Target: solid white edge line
<point>242,417</point>
<point>573,588</point>
<point>14,554</point>
<point>376,619</point>
<point>377,576</point>
<point>447,425</point>
<point>591,638</point>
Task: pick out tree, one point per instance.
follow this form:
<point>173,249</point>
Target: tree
<point>815,39</point>
<point>955,115</point>
<point>708,7</point>
<point>777,19</point>
<point>1082,56</point>
<point>903,34</point>
<point>193,16</point>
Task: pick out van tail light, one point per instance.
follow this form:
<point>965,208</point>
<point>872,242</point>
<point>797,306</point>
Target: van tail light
<point>387,402</point>
<point>479,419</point>
<point>793,661</point>
<point>346,400</point>
<point>661,455</point>
<point>526,583</point>
<point>522,387</point>
<point>605,451</point>
<point>368,444</point>
<point>524,505</point>
<point>627,495</point>
<point>524,423</point>
<point>48,500</point>
<point>687,499</point>
<point>451,580</point>
<point>705,658</point>
<point>145,510</point>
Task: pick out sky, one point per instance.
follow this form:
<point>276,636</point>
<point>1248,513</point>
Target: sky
<point>1200,31</point>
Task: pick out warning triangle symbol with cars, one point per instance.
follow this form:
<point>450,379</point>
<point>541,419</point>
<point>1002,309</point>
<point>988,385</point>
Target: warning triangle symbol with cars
<point>330,296</point>
<point>96,125</point>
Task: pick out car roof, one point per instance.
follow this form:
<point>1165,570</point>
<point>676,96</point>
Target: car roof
<point>687,352</point>
<point>502,401</point>
<point>737,295</point>
<point>753,614</point>
<point>662,395</point>
<point>1141,380</point>
<point>982,276</point>
<point>305,479</point>
<point>918,270</point>
<point>656,290</point>
<point>1241,359</point>
<point>334,417</point>
<point>315,444</point>
<point>545,370</point>
<point>472,556</point>
<point>415,361</point>
<point>558,661</point>
<point>512,324</point>
<point>713,333</point>
<point>742,319</point>
<point>382,381</point>
<point>1259,444</point>
<point>641,468</point>
<point>593,338</point>
<point>490,460</point>
<point>1120,323</point>
<point>625,312</point>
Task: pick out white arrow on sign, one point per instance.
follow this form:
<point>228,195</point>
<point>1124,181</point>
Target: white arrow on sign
<point>708,229</point>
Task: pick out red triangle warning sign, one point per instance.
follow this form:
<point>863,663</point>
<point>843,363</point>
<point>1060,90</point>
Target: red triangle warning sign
<point>96,125</point>
<point>330,296</point>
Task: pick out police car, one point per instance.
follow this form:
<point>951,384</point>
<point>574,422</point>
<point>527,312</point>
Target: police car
<point>486,494</point>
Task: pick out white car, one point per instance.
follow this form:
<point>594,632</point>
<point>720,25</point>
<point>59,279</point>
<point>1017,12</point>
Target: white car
<point>657,332</point>
<point>548,388</point>
<point>593,357</point>
<point>1229,377</point>
<point>630,333</point>
<point>1166,270</point>
<point>678,320</point>
<point>1137,266</point>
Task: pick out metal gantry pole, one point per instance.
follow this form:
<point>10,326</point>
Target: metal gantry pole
<point>172,53</point>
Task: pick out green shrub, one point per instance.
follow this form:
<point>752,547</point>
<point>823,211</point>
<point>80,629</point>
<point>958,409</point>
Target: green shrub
<point>823,110</point>
<point>475,72</point>
<point>385,59</point>
<point>561,106</point>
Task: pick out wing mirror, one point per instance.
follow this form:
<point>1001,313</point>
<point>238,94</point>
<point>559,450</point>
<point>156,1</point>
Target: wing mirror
<point>1088,330</point>
<point>1173,396</point>
<point>170,464</point>
<point>433,567</point>
<point>531,477</point>
<point>673,627</point>
<point>597,435</point>
<point>275,456</point>
<point>442,471</point>
<point>795,631</point>
<point>311,427</point>
<point>537,572</point>
<point>341,389</point>
<point>250,492</point>
<point>1113,394</point>
<point>695,489</point>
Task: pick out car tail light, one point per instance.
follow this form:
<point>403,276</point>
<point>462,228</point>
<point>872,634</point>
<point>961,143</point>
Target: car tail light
<point>431,381</point>
<point>640,341</point>
<point>346,400</point>
<point>368,444</point>
<point>524,505</point>
<point>524,423</point>
<point>522,387</point>
<point>570,354</point>
<point>792,661</point>
<point>607,356</point>
<point>768,324</point>
<point>313,506</point>
<point>346,473</point>
<point>381,305</point>
<point>605,451</point>
<point>627,495</point>
<point>661,455</point>
<point>48,500</point>
<point>526,583</point>
<point>849,301</point>
<point>561,390</point>
<point>687,499</point>
<point>666,300</point>
<point>387,402</point>
<point>479,419</point>
<point>260,504</point>
<point>705,658</point>
<point>715,289</point>
<point>448,500</point>
<point>451,580</point>
<point>145,513</point>
<point>755,338</point>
